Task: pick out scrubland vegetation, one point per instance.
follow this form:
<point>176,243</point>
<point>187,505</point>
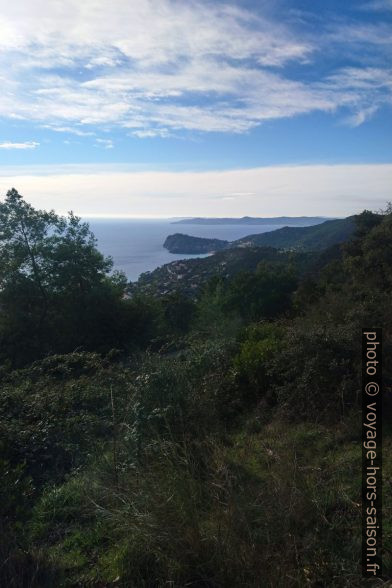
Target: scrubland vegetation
<point>185,441</point>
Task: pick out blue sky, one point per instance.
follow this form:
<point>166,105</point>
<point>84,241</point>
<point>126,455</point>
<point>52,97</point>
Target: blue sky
<point>99,89</point>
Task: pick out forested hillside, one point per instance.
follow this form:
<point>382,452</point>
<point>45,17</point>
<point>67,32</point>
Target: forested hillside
<point>312,238</point>
<point>192,275</point>
<point>169,439</point>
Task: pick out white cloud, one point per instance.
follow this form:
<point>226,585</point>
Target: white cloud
<point>106,143</point>
<point>378,5</point>
<point>158,67</point>
<point>149,133</point>
<point>71,130</point>
<point>26,145</point>
<point>365,35</point>
<point>365,90</point>
<point>330,190</point>
<point>361,116</point>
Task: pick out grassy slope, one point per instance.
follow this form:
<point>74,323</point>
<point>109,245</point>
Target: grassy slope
<point>277,507</point>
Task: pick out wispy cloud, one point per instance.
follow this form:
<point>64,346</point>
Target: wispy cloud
<point>378,5</point>
<point>240,194</point>
<point>150,133</point>
<point>72,130</point>
<point>26,145</point>
<point>365,90</point>
<point>105,143</point>
<point>197,66</point>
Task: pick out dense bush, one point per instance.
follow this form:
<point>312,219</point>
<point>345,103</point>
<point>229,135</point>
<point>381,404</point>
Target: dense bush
<point>260,342</point>
<point>316,374</point>
<point>265,293</point>
<point>217,444</point>
<point>55,413</point>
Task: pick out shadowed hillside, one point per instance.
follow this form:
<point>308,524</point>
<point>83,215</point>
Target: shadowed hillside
<point>211,440</point>
<point>311,238</point>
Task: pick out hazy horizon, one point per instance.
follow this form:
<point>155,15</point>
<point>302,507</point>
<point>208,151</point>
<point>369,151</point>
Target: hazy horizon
<point>197,109</point>
<point>322,190</point>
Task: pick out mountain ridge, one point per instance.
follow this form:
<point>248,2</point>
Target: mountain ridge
<point>309,238</point>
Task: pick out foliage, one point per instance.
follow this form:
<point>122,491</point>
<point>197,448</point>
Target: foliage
<point>211,440</point>
<point>178,312</point>
<point>55,414</point>
<point>262,508</point>
<point>260,342</point>
<point>264,294</point>
<point>56,293</point>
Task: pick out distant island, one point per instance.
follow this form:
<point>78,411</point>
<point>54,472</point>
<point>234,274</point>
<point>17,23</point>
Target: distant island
<point>294,221</point>
<point>306,238</point>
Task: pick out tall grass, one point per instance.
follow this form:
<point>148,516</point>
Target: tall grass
<point>278,508</point>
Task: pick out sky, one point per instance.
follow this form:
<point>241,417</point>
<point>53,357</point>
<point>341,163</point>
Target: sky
<point>162,108</point>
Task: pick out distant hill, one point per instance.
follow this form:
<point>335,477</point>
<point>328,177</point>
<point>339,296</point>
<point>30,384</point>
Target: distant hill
<point>311,238</point>
<point>293,221</point>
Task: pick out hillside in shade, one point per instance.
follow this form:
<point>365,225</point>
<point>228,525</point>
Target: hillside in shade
<point>307,238</point>
<point>190,275</point>
<point>201,427</point>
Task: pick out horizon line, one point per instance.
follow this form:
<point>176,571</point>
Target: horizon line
<point>177,218</point>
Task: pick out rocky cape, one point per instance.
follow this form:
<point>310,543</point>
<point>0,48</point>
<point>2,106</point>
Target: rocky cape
<point>179,243</point>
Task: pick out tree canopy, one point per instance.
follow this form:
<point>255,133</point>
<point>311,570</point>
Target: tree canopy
<point>57,291</point>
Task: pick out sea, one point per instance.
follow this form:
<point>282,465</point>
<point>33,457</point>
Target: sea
<point>136,245</point>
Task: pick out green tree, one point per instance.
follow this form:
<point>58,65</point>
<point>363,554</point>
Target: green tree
<point>56,290</point>
<point>178,312</point>
<point>265,293</point>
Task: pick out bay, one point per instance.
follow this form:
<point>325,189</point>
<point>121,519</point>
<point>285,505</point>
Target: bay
<point>136,245</point>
